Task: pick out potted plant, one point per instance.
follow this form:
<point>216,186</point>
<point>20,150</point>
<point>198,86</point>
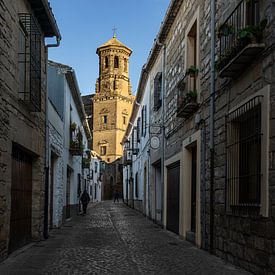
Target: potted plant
<point>79,136</point>
<point>225,30</point>
<point>191,97</point>
<point>85,162</point>
<point>192,71</point>
<point>73,126</point>
<point>73,144</point>
<point>252,34</point>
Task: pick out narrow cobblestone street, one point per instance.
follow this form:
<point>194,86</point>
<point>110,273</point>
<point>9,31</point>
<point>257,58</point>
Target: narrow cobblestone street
<point>113,239</point>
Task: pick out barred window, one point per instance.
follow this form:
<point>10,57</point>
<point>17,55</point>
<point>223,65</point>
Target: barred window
<point>29,62</point>
<point>243,148</point>
<point>157,91</point>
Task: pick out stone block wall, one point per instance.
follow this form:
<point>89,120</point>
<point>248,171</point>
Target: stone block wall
<point>177,128</point>
<point>243,240</point>
<point>17,124</point>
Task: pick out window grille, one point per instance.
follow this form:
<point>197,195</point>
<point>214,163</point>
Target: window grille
<point>29,58</point>
<point>157,91</point>
<point>243,151</point>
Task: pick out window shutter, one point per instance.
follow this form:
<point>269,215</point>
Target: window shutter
<point>142,121</point>
<point>145,119</point>
<point>157,90</point>
<point>138,130</point>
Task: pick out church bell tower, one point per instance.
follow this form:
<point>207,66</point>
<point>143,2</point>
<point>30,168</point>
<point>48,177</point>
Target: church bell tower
<point>113,99</point>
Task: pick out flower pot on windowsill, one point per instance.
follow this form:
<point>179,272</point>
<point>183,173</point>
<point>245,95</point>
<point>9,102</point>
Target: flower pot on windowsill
<point>192,71</point>
<point>252,34</point>
<point>190,102</point>
<point>189,105</point>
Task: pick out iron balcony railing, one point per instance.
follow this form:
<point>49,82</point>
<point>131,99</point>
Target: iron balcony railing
<point>242,27</point>
<point>187,95</point>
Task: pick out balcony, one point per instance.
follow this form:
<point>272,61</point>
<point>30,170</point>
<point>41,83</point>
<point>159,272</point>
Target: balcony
<point>76,143</point>
<point>240,38</point>
<point>86,163</point>
<point>187,103</point>
<point>76,149</point>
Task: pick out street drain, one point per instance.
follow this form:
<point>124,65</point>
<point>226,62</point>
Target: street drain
<point>175,244</point>
<point>67,226</point>
<point>129,215</point>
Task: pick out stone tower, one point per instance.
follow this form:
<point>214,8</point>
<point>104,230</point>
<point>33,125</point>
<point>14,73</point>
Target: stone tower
<point>113,99</point>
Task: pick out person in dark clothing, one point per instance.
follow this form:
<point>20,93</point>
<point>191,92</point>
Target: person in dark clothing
<point>116,196</point>
<point>85,199</point>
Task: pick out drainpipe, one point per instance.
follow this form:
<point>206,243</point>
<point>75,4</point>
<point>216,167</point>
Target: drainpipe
<point>57,44</point>
<point>212,113</point>
<point>47,149</point>
<point>162,128</point>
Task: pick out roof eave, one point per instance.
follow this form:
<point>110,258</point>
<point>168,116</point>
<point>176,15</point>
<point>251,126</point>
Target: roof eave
<point>45,17</point>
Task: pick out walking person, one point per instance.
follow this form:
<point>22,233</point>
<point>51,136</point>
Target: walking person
<point>85,199</point>
<point>116,196</point>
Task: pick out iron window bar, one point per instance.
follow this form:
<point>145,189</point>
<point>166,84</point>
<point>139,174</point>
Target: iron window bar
<point>30,62</point>
<point>243,158</point>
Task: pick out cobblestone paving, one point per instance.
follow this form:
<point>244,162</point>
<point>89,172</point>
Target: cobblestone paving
<point>113,239</point>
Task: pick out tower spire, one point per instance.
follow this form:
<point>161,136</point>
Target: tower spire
<point>114,31</point>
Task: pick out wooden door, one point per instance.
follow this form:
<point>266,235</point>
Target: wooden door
<point>173,182</point>
<point>21,199</point>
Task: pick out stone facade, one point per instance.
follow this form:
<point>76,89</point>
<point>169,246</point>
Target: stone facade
<point>247,240</point>
<point>21,130</point>
<point>209,215</point>
<point>69,143</point>
<point>112,103</point>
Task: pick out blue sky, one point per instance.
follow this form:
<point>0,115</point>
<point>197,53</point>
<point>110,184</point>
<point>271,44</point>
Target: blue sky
<point>86,24</point>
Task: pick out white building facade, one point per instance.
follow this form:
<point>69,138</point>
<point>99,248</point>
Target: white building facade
<point>67,142</point>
